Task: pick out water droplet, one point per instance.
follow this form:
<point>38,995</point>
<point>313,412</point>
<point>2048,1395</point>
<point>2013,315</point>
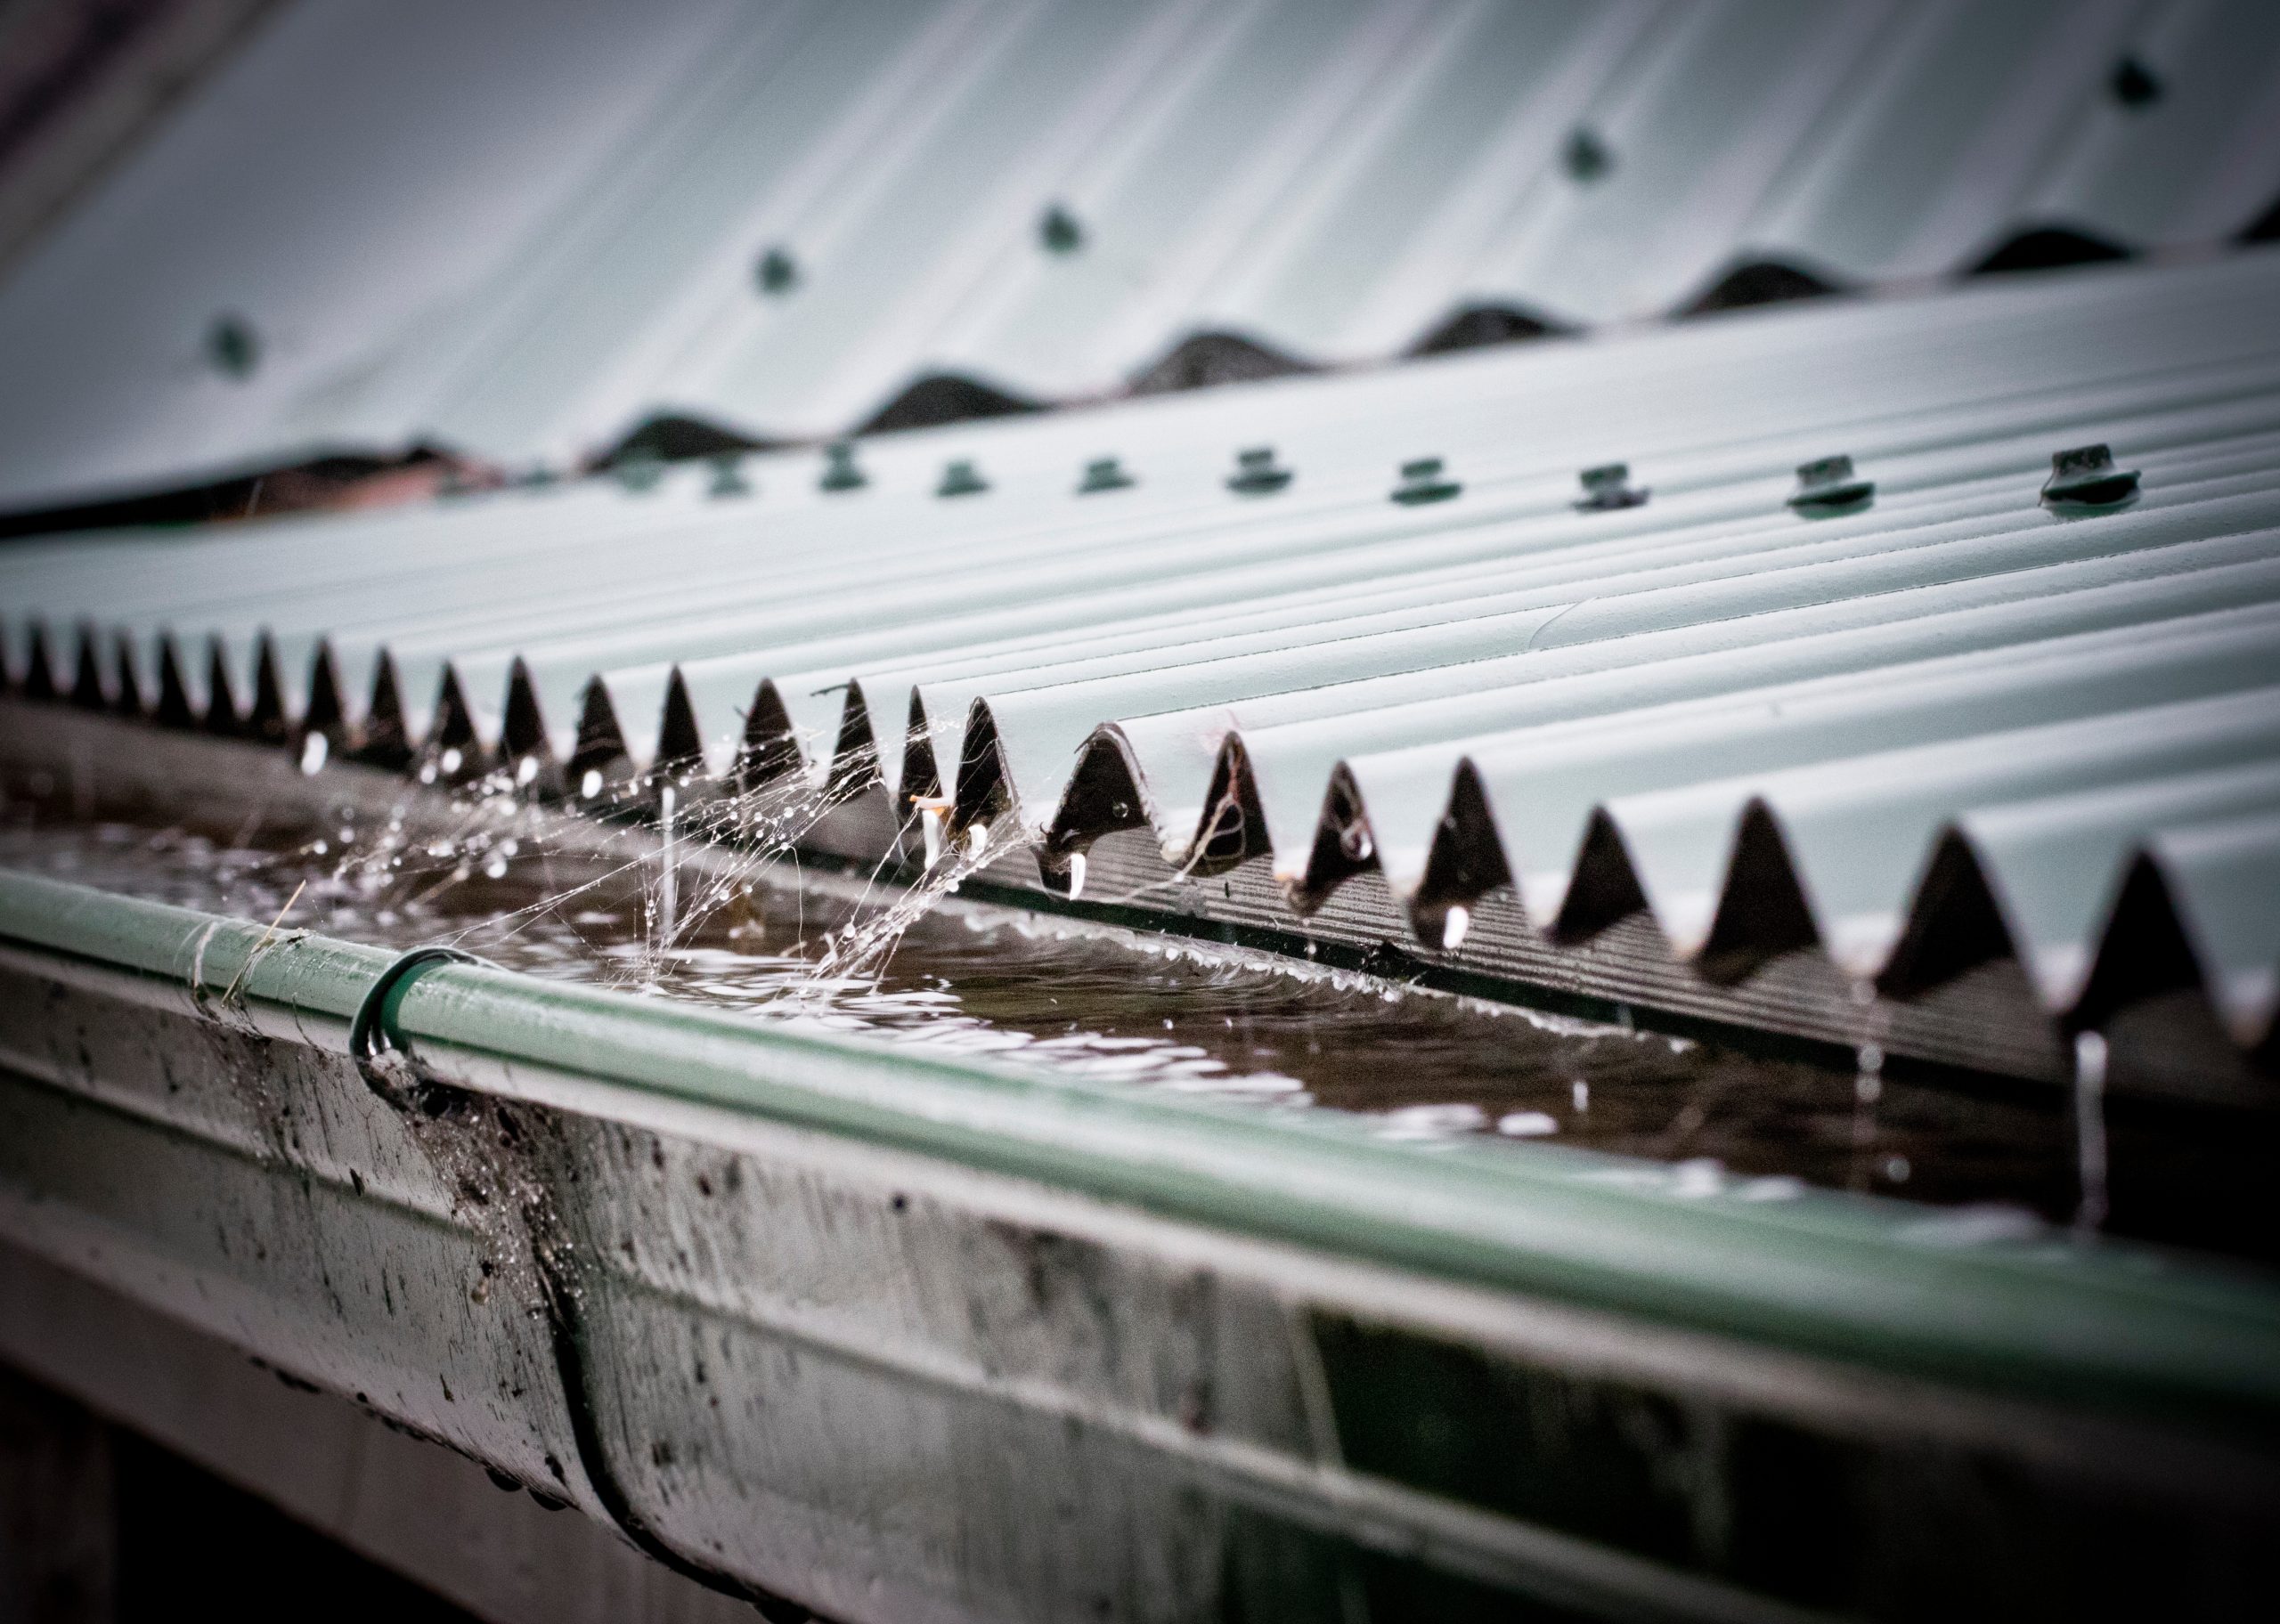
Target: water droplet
<point>525,770</point>
<point>2090,1128</point>
<point>1430,1121</point>
<point>1526,1125</point>
<point>1774,1187</point>
<point>1076,875</point>
<point>1454,924</point>
<point>453,759</point>
<point>314,750</point>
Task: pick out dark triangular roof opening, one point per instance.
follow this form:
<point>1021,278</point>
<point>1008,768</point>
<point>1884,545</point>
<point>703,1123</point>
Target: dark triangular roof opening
<point>2048,248</point>
<point>1207,360</point>
<point>320,482</point>
<point>1764,282</point>
<point>1478,326</point>
<point>1604,890</point>
<point>2265,227</point>
<point>941,397</point>
<point>1762,913</point>
<point>673,437</point>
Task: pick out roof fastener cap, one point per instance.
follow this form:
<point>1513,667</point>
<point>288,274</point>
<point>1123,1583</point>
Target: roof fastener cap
<point>2134,85</point>
<point>1059,231</point>
<point>839,470</point>
<point>1422,483</point>
<point>2086,477</point>
<point>640,472</point>
<point>1256,473</point>
<point>1829,486</point>
<point>729,476</point>
<point>232,348</point>
<point>1105,474</point>
<point>777,272</point>
<point>1585,157</point>
<point>1608,487</point>
<point>961,478</point>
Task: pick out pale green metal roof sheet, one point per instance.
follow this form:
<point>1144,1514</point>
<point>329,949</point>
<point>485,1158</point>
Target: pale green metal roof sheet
<point>565,239</point>
<point>1607,710</point>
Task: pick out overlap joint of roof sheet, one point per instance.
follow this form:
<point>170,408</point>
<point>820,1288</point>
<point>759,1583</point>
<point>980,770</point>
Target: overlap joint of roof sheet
<point>636,226</point>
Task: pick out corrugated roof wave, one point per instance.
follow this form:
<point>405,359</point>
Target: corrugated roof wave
<point>1948,726</point>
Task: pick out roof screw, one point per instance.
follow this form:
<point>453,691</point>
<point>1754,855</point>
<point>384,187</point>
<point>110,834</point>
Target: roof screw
<point>640,472</point>
<point>1059,231</point>
<point>1105,474</point>
<point>1422,483</point>
<point>961,478</point>
<point>777,272</point>
<point>232,347</point>
<point>1585,157</point>
<point>2086,477</point>
<point>1829,487</point>
<point>2133,84</point>
<point>1255,472</point>
<point>1607,487</point>
<point>729,476</point>
<point>839,470</point>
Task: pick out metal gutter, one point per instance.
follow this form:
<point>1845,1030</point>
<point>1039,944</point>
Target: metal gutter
<point>1545,1219</point>
<point>433,1514</point>
<point>886,1266</point>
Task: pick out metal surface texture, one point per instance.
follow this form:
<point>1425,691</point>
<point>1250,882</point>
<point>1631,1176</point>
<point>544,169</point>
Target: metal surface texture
<point>779,219</point>
<point>355,1475</point>
<point>740,1291</point>
<point>1726,750</point>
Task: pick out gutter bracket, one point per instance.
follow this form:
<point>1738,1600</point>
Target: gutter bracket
<point>372,1047</point>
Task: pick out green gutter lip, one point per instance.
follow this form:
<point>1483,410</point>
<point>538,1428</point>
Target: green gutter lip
<point>1874,1283</point>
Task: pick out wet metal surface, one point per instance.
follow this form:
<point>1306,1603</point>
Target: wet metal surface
<point>906,1333</point>
<point>1158,1012</point>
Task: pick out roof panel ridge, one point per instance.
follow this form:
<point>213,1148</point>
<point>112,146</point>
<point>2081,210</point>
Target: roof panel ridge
<point>386,739</point>
<point>2220,871</point>
<point>2146,952</point>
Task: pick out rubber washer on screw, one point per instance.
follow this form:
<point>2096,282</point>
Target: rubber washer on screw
<point>369,1037</point>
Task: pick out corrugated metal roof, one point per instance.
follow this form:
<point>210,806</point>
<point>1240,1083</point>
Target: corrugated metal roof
<point>1908,740</point>
<point>778,217</point>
